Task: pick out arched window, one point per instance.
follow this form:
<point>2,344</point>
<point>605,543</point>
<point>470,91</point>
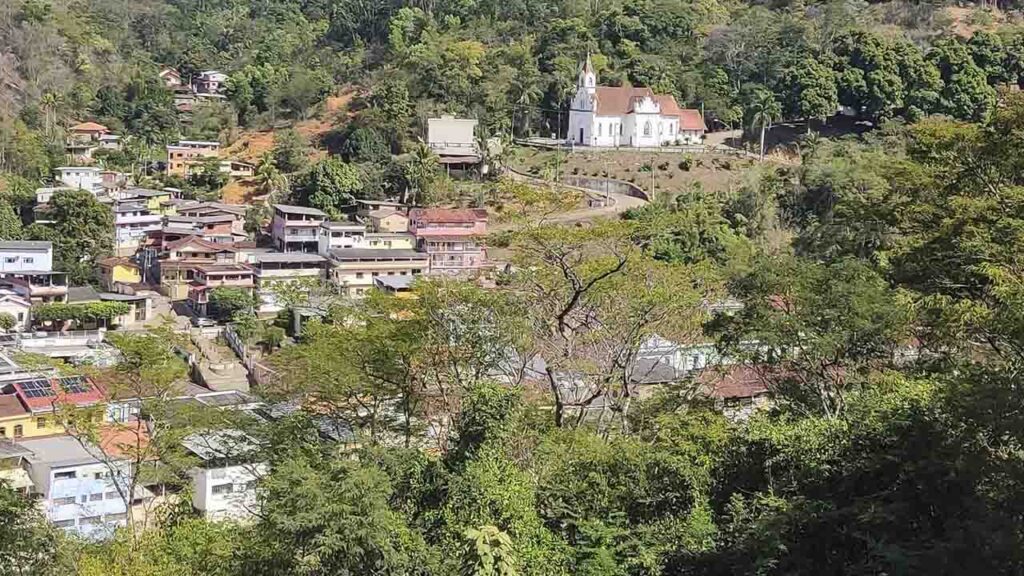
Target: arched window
<point>647,128</point>
<point>671,129</point>
<point>661,129</point>
<point>600,129</point>
<point>620,129</point>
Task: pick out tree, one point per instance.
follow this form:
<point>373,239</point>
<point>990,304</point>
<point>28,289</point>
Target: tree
<point>811,91</point>
<point>225,302</point>
<point>82,233</point>
<point>488,552</point>
<point>329,185</point>
<point>421,173</point>
<point>209,179</point>
<point>269,180</point>
<point>10,223</point>
<point>7,321</point>
<point>291,151</point>
<point>764,109</point>
<point>28,545</point>
<point>966,93</point>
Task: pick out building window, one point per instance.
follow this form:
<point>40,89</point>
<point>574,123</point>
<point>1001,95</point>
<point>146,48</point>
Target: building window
<point>90,520</point>
<point>647,128</point>
<point>115,517</point>
<point>223,489</point>
<point>18,431</point>
<point>64,475</point>
<point>66,501</point>
<point>97,497</point>
<point>112,495</point>
<point>29,260</point>
<point>11,259</point>
<point>620,129</point>
<point>3,432</point>
<point>64,523</point>
<point>671,129</point>
<point>359,275</point>
<point>600,129</point>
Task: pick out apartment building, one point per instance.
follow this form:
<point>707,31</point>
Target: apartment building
<point>188,153</point>
<point>452,238</point>
<point>85,178</point>
<point>179,260</point>
<point>296,228</point>
<point>354,270</point>
<point>26,267</point>
<point>224,482</point>
<point>133,221</point>
<point>273,269</point>
<point>208,277</point>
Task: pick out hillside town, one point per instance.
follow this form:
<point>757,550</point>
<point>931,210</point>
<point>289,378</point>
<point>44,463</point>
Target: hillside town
<point>521,288</point>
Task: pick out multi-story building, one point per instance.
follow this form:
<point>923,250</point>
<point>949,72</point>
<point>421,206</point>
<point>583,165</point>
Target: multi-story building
<point>334,235</point>
<point>81,177</point>
<point>209,82</point>
<point>453,239</point>
<point>187,153</point>
<point>353,270</point>
<point>179,260</point>
<point>39,395</point>
<point>296,228</point>
<point>26,267</point>
<point>14,467</point>
<point>133,221</point>
<point>156,201</point>
<point>76,486</point>
<point>208,277</point>
<point>224,482</point>
<point>273,269</point>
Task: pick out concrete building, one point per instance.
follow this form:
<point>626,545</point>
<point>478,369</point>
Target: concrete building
<point>354,270</point>
<point>296,228</point>
<point>81,177</point>
<point>211,276</point>
<point>387,220</point>
<point>224,482</point>
<point>76,489</point>
<point>452,238</point>
<point>26,267</point>
<point>274,269</point>
<point>133,221</point>
<point>187,153</point>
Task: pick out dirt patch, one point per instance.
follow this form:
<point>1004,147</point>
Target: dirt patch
<point>239,191</point>
<point>658,171</point>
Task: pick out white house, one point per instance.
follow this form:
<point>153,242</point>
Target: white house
<point>83,177</point>
<point>17,305</point>
<point>76,489</point>
<point>627,116</point>
<point>24,256</point>
<point>224,482</point>
<point>132,222</point>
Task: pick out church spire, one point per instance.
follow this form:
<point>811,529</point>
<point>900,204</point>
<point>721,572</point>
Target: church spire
<point>588,78</point>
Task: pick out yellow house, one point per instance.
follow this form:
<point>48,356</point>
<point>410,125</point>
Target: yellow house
<point>386,220</point>
<point>17,422</point>
<point>119,270</point>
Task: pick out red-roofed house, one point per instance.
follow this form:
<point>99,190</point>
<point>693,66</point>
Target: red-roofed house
<point>736,389</point>
<point>627,116</point>
<point>179,260</point>
<point>452,238</point>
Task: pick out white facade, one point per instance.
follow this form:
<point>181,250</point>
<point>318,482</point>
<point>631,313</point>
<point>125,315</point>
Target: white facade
<point>340,235</point>
<point>631,117</point>
<point>82,177</point>
<point>17,306</point>
<point>227,492</point>
<point>132,223</point>
<point>25,256</point>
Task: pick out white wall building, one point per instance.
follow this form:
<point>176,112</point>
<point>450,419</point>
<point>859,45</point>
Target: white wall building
<point>625,116</point>
<point>132,222</point>
<point>82,177</point>
<point>21,256</point>
<point>224,483</point>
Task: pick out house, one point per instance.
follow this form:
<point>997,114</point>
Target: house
<point>44,195</point>
<point>133,221</point>
<point>364,207</point>
<point>209,82</point>
<point>180,259</point>
<point>272,269</point>
<point>452,238</point>
<point>188,153</point>
<point>26,267</point>
<point>296,228</point>
<point>453,140</point>
<point>387,220</point>
<point>119,270</point>
<point>75,487</point>
<point>628,116</point>
<point>39,394</point>
<point>224,481</point>
<point>339,235</point>
<point>85,138</point>
<point>184,98</point>
<point>156,201</point>
<point>81,177</point>
<point>170,77</point>
<point>208,277</point>
<point>140,308</point>
<point>14,467</point>
<point>354,270</point>
<point>18,306</point>
<point>737,390</point>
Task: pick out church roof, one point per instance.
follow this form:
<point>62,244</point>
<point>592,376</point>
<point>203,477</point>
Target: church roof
<point>618,101</point>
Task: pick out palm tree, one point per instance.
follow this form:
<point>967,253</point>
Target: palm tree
<point>269,180</point>
<point>766,110</point>
<point>420,172</point>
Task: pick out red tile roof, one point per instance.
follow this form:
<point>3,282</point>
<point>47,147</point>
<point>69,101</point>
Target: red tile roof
<point>618,101</point>
<point>89,127</point>
<point>727,382</point>
<point>11,406</point>
<point>117,261</point>
<point>198,242</point>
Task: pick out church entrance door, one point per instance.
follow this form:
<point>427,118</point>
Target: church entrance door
<point>581,135</point>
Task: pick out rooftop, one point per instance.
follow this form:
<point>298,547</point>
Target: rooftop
<point>146,192</point>
<point>58,451</point>
<point>288,257</point>
<point>370,254</point>
<point>288,209</point>
<point>218,444</point>
<point>457,215</point>
<point>11,406</point>
<point>343,226</point>
<point>81,294</point>
<point>396,283</point>
<point>379,203</point>
<point>88,127</point>
<point>223,268</point>
<point>25,245</point>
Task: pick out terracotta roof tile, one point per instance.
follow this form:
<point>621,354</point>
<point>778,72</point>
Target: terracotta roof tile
<point>461,215</point>
<point>736,381</point>
<point>618,101</point>
<point>89,127</point>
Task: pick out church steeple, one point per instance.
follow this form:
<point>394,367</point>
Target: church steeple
<point>588,78</point>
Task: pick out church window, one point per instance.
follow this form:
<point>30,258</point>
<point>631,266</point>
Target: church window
<point>660,129</point>
<point>620,129</point>
<point>671,129</point>
<point>600,129</point>
<point>647,128</point>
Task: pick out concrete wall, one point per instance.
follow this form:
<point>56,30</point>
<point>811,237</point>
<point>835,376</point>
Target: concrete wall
<point>603,185</point>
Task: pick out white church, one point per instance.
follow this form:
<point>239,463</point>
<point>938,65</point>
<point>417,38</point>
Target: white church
<point>624,116</point>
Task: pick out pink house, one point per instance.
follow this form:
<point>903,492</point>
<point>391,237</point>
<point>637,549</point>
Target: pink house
<point>452,238</point>
<point>210,276</point>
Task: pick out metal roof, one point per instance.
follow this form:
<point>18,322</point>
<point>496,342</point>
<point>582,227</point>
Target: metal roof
<point>25,245</point>
<point>288,209</point>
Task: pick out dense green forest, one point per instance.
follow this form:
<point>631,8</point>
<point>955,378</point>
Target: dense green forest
<point>882,275</point>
